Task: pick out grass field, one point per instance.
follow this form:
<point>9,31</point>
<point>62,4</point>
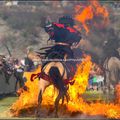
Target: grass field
<point>6,102</point>
<point>96,95</point>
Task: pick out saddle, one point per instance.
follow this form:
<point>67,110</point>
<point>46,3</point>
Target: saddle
<point>70,73</point>
<point>70,69</point>
<point>58,52</point>
<point>47,78</point>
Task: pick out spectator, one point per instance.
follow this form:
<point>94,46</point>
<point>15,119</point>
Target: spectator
<point>18,73</point>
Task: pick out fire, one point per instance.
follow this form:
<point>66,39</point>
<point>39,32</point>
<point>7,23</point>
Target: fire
<point>117,92</point>
<point>88,13</point>
<point>109,110</point>
<point>76,103</point>
<point>29,97</point>
<point>81,78</point>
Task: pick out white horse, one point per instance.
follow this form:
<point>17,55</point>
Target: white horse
<point>112,73</point>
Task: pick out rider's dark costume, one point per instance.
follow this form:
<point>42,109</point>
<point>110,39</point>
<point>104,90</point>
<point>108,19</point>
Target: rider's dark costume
<point>64,35</point>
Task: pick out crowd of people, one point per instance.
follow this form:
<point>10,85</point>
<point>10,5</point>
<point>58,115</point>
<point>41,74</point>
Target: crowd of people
<point>12,66</point>
<point>17,67</point>
<point>96,78</point>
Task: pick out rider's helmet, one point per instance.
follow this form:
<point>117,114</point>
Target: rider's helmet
<point>67,21</point>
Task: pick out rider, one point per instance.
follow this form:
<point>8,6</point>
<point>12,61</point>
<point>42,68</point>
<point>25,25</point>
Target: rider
<point>64,34</point>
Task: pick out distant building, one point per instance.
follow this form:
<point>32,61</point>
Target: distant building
<point>11,3</point>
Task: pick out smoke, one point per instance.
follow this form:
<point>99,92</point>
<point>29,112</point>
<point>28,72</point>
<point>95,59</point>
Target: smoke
<point>99,34</point>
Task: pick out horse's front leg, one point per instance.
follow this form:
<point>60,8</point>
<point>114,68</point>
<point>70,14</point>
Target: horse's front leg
<point>37,112</point>
<point>42,86</point>
<point>108,90</point>
<point>61,95</point>
<point>57,103</point>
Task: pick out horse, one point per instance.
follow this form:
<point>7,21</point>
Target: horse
<point>56,73</point>
<point>112,74</point>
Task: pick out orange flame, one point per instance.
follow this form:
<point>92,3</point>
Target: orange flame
<point>91,11</point>
<point>29,98</point>
<point>117,92</point>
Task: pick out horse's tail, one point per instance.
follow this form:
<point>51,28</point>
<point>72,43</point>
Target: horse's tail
<point>57,79</point>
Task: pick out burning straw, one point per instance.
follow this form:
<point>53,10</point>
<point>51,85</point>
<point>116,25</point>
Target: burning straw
<point>28,98</point>
<point>89,13</point>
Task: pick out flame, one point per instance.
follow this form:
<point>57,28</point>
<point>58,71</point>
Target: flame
<point>29,97</point>
<point>117,93</point>
<point>76,103</point>
<point>81,78</point>
<point>91,11</point>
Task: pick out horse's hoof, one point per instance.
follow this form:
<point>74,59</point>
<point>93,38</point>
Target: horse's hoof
<point>37,113</point>
<point>56,116</point>
<point>50,111</point>
<point>37,116</point>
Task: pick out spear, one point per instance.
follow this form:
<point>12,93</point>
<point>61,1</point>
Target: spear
<point>45,48</point>
<point>8,50</point>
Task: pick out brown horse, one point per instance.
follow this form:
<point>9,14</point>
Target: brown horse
<point>53,73</point>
